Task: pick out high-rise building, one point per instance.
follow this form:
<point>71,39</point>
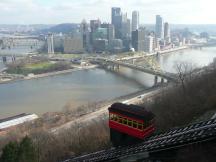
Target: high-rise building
<point>110,31</point>
<point>167,33</point>
<point>166,30</point>
<point>84,30</point>
<point>58,40</point>
<point>138,38</point>
<point>74,43</point>
<point>116,46</point>
<point>135,20</point>
<point>156,44</point>
<point>100,45</point>
<point>126,27</point>
<point>100,33</point>
<point>94,25</point>
<point>159,28</point>
<point>50,44</point>
<point>149,44</point>
<point>117,21</point>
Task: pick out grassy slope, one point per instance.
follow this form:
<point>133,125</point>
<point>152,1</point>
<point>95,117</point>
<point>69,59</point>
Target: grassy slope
<point>37,68</point>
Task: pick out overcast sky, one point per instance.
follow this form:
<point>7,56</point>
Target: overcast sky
<point>62,11</point>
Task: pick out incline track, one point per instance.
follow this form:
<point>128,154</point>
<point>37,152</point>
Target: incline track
<point>178,137</point>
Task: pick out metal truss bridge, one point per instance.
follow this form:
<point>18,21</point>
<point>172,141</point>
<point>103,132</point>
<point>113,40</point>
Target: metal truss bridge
<point>147,69</point>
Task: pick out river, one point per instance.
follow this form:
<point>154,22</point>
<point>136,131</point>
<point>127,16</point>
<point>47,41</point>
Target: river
<point>53,93</point>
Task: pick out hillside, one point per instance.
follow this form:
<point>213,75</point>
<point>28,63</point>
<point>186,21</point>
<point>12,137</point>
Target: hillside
<point>61,28</point>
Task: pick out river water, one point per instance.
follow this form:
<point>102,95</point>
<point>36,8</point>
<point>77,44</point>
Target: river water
<point>53,93</point>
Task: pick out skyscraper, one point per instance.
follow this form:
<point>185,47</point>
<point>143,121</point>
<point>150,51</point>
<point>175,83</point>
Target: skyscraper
<point>117,21</point>
<point>159,28</point>
<point>84,30</point>
<point>149,44</point>
<point>110,31</point>
<point>74,43</point>
<point>94,25</point>
<point>138,38</point>
<point>135,20</point>
<point>166,30</point>
<point>126,27</point>
<point>50,44</point>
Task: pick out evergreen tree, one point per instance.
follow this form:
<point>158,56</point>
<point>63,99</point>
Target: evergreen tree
<point>27,151</point>
<point>10,152</point>
<point>19,152</point>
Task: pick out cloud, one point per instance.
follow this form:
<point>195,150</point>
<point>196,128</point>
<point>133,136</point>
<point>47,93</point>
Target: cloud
<point>59,11</point>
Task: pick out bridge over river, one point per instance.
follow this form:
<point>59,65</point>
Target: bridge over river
<point>116,63</point>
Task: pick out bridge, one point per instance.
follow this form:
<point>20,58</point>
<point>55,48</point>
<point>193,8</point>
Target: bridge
<point>198,133</point>
<point>149,70</point>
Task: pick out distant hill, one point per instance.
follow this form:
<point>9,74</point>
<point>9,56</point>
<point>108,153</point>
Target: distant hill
<point>61,28</point>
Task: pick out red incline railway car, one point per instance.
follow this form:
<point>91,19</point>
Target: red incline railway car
<point>129,124</point>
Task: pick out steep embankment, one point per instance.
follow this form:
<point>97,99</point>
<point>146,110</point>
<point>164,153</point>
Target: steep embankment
<point>185,103</point>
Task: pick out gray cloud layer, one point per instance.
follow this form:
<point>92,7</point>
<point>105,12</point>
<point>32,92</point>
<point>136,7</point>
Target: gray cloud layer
<point>59,11</point>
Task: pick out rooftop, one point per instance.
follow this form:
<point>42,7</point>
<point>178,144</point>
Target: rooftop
<point>13,117</point>
<point>132,111</point>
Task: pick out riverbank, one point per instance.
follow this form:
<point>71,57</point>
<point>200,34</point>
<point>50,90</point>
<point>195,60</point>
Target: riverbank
<point>30,77</point>
<point>59,72</point>
<point>98,113</point>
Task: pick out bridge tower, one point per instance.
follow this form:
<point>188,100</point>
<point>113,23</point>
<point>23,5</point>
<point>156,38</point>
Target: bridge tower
<point>155,80</point>
<point>4,59</point>
<point>50,44</point>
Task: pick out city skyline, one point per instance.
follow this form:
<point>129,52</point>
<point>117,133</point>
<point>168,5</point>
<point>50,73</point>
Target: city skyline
<point>58,11</point>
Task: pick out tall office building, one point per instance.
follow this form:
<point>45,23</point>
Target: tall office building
<point>84,30</point>
<point>138,38</point>
<point>50,43</point>
<point>126,27</point>
<point>167,35</point>
<point>94,25</point>
<point>135,20</point>
<point>110,31</point>
<point>149,44</point>
<point>159,28</point>
<point>117,21</point>
<point>166,30</point>
<point>74,43</point>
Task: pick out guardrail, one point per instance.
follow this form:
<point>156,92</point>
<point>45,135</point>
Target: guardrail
<point>178,137</point>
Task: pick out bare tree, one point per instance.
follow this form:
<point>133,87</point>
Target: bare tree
<point>185,73</point>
